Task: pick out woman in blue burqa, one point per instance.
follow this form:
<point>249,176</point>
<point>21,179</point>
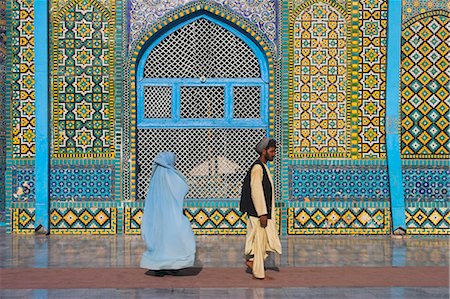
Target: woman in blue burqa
<point>165,229</point>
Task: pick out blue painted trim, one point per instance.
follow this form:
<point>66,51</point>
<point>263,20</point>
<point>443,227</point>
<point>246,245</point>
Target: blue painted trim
<point>176,111</point>
<point>167,123</point>
<point>392,114</point>
<point>42,112</point>
<point>198,82</point>
<point>229,103</point>
<point>228,83</point>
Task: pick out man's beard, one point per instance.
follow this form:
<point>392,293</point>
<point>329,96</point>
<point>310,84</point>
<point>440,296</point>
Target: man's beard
<point>268,158</point>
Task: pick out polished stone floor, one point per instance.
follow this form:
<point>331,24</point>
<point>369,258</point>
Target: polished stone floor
<point>121,251</point>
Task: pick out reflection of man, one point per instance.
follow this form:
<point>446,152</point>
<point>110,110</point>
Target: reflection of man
<point>258,201</point>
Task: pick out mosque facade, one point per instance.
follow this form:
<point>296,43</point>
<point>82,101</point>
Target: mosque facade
<point>356,93</point>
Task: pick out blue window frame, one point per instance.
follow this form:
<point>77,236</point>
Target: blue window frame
<point>228,120</point>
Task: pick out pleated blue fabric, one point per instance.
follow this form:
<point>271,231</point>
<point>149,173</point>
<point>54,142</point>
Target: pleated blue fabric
<point>165,229</point>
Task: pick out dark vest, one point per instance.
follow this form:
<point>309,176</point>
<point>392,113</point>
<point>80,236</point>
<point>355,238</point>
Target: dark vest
<point>246,204</point>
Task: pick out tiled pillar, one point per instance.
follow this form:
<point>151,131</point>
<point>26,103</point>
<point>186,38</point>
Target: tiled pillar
<point>42,113</point>
<point>392,115</point>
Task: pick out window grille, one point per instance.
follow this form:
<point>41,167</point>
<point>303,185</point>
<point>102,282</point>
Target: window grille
<point>246,101</point>
<point>202,102</point>
<point>214,161</point>
<point>202,96</point>
<point>202,49</point>
<point>159,101</point>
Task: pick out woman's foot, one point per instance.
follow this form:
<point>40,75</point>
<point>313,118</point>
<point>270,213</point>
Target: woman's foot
<point>249,264</point>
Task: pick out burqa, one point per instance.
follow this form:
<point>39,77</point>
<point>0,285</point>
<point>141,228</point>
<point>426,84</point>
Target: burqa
<point>165,229</point>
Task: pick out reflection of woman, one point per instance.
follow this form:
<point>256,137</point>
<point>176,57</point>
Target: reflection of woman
<point>165,230</point>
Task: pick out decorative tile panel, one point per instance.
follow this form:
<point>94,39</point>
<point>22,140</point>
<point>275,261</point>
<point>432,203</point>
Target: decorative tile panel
<point>66,184</point>
<point>144,14</point>
<point>338,220</point>
<point>83,60</point>
<point>87,220</point>
<point>133,220</point>
<point>217,220</point>
<point>320,183</point>
<point>426,185</point>
<point>318,125</point>
<point>2,108</point>
<point>205,221</point>
<point>424,218</point>
<point>372,78</point>
<point>22,79</point>
<point>412,8</point>
<point>23,185</point>
<point>81,184</point>
<point>425,103</point>
<point>22,220</point>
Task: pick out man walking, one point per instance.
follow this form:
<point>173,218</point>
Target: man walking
<point>258,200</point>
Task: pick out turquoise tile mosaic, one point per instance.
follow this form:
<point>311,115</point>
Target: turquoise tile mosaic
<point>75,184</point>
<point>428,218</point>
<point>412,8</point>
<point>23,185</point>
<point>421,184</point>
<point>81,184</point>
<point>339,184</point>
<point>2,109</point>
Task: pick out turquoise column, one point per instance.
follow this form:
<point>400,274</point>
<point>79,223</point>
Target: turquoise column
<point>42,114</point>
<point>394,34</point>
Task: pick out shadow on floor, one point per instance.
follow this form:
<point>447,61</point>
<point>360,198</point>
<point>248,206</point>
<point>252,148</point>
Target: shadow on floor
<point>193,271</point>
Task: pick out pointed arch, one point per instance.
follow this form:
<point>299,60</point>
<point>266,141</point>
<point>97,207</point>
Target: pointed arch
<point>232,24</point>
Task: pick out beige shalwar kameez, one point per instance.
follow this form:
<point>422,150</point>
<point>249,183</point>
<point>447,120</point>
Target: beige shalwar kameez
<point>259,241</point>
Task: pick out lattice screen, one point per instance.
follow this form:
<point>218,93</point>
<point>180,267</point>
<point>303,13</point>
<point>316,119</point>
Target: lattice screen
<point>202,49</point>
<point>214,161</point>
<point>246,101</point>
<point>159,101</point>
<point>202,102</point>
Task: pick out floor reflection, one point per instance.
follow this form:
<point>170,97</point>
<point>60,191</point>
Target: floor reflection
<point>17,251</point>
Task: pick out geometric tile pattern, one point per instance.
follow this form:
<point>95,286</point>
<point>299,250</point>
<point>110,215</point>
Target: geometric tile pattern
<point>144,14</point>
<point>133,220</point>
<point>425,104</point>
<point>23,220</point>
<point>73,220</point>
<point>411,8</point>
<point>338,220</point>
<point>321,183</point>
<point>319,76</point>
<point>204,221</point>
<point>372,78</point>
<point>426,185</point>
<point>22,79</point>
<point>217,220</point>
<point>428,219</point>
<point>81,184</point>
<point>92,220</point>
<point>83,89</point>
<point>66,184</point>
<point>2,107</point>
<point>23,185</point>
